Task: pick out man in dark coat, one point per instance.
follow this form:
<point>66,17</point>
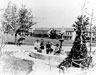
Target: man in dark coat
<point>48,47</point>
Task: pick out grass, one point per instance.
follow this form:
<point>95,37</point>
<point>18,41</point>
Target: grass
<point>30,40</point>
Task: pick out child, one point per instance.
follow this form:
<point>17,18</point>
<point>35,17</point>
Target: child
<point>57,51</point>
<point>52,47</point>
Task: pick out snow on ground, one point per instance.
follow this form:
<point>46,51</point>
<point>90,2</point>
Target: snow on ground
<point>45,67</point>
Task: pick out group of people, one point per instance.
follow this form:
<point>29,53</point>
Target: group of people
<point>40,45</point>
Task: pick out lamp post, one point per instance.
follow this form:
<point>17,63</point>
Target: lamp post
<point>61,41</point>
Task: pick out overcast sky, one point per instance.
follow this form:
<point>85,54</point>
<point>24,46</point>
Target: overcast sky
<point>54,13</point>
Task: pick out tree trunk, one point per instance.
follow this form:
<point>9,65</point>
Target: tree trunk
<point>15,38</point>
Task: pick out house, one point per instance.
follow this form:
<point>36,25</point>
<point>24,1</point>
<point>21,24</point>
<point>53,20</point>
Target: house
<point>45,32</point>
<point>67,33</point>
<point>41,32</point>
<point>93,34</point>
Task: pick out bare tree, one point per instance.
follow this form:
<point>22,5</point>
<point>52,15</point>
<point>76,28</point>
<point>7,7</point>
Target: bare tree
<point>2,39</point>
<point>10,19</point>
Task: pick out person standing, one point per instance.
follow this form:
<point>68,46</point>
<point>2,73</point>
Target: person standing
<point>42,44</point>
<point>48,47</point>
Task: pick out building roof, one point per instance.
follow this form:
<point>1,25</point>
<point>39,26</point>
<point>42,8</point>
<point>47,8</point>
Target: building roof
<point>41,30</point>
<point>66,29</point>
<point>45,30</point>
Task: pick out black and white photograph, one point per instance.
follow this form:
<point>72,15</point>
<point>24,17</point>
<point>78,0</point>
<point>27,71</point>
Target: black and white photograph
<point>47,37</point>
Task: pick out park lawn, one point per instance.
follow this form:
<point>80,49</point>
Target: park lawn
<point>30,40</point>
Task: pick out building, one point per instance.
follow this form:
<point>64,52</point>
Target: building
<point>93,34</point>
<point>41,32</point>
<point>67,34</point>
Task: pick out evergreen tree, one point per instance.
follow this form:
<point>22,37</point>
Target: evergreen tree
<point>53,34</point>
<point>79,50</point>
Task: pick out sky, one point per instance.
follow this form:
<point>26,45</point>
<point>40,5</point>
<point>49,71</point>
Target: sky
<point>55,13</point>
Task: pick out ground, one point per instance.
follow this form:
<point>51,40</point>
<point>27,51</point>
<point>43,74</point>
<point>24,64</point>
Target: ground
<point>30,40</point>
<point>10,65</point>
<point>43,67</point>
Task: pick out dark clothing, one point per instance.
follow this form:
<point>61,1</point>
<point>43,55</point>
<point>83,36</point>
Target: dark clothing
<point>51,50</point>
<point>40,51</point>
<point>35,48</point>
<point>48,48</point>
<point>57,52</point>
<point>47,51</point>
<point>42,45</point>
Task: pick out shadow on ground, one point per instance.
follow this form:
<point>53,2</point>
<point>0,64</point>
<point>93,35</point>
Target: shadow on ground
<point>10,65</point>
